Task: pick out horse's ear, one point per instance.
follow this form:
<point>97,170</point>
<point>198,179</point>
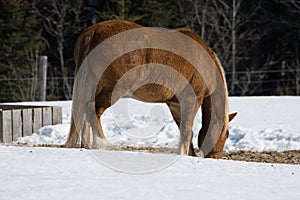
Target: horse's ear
<point>232,115</point>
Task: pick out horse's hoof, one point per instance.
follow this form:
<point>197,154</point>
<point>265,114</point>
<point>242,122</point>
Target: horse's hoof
<point>192,153</point>
<point>183,151</point>
<point>88,146</point>
<point>99,143</point>
<point>201,154</point>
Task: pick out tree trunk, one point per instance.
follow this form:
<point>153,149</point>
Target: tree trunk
<point>68,89</point>
<point>298,67</point>
<point>233,38</point>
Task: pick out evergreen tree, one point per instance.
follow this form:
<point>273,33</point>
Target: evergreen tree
<point>119,10</point>
<point>21,44</point>
<point>155,13</point>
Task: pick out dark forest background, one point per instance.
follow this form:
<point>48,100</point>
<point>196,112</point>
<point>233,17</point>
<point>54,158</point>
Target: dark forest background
<point>257,41</point>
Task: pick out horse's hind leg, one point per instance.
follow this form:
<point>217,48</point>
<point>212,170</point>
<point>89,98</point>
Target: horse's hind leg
<point>99,139</point>
<point>175,111</point>
<point>85,136</point>
<point>73,136</point>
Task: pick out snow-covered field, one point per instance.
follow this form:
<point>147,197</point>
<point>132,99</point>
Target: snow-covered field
<point>48,173</point>
<point>263,123</point>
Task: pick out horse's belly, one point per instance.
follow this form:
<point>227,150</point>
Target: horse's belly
<point>153,93</point>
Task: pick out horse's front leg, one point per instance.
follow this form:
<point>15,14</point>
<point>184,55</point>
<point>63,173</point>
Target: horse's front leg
<point>211,138</point>
<point>175,111</point>
<point>186,136</point>
<point>188,113</point>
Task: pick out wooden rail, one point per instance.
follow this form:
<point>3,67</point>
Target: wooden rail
<point>19,121</point>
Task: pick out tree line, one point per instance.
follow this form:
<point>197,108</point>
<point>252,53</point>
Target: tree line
<point>257,41</point>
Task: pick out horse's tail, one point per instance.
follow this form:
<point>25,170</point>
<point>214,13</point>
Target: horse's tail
<point>81,89</point>
<point>80,99</point>
<point>78,118</point>
<point>79,102</point>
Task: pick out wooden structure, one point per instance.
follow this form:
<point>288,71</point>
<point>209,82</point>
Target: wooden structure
<point>19,121</point>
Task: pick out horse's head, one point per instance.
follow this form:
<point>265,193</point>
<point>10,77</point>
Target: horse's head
<point>217,150</point>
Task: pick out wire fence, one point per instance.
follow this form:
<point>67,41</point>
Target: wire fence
<point>26,89</point>
<point>264,82</point>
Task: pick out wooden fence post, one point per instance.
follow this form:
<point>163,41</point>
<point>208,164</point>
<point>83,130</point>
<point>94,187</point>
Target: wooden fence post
<point>37,118</point>
<point>43,78</point>
<point>5,126</point>
<point>27,121</point>
<point>17,123</point>
<point>47,116</point>
<point>56,115</point>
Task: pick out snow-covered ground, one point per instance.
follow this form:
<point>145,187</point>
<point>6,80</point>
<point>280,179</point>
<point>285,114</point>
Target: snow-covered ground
<point>49,173</point>
<point>263,123</point>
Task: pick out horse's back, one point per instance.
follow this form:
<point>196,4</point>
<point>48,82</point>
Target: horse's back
<point>97,33</point>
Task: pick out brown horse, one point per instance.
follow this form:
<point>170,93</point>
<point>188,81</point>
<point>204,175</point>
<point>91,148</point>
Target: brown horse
<point>118,59</point>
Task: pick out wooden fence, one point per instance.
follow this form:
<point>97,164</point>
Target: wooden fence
<point>19,121</point>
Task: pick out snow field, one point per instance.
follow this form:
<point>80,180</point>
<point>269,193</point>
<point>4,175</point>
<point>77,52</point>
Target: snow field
<point>262,124</point>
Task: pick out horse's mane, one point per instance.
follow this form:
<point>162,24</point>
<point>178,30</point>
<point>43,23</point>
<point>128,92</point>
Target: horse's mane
<point>217,62</point>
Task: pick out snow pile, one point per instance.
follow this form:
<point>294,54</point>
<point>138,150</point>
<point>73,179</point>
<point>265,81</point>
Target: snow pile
<point>264,140</point>
<point>47,135</point>
<point>263,123</point>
